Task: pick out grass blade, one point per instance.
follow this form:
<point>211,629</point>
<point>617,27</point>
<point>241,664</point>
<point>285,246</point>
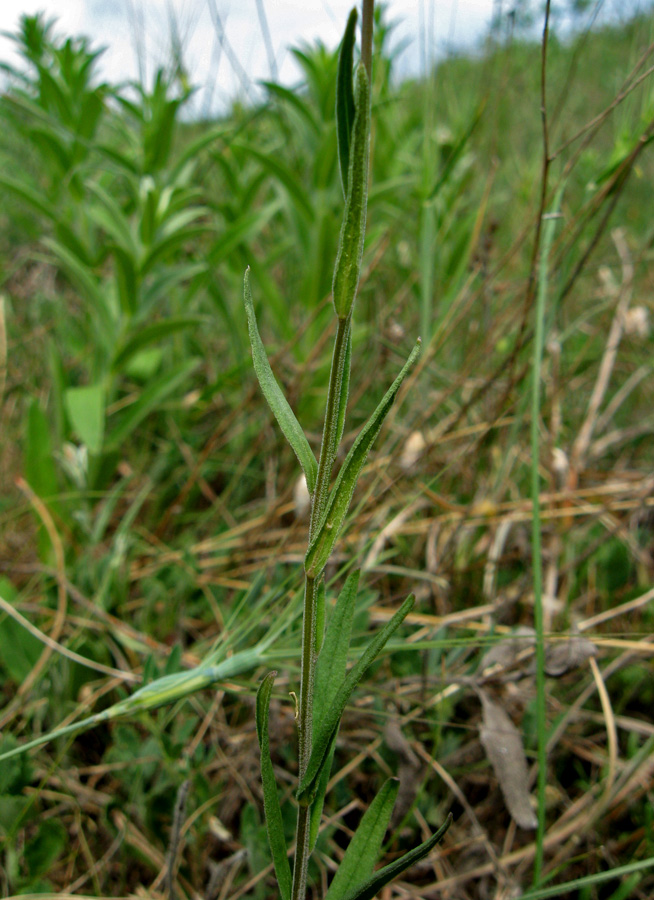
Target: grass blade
<point>160,692</point>
<point>345,108</point>
<point>372,887</point>
<point>339,500</point>
<point>332,716</point>
<point>364,848</point>
<point>277,402</point>
<point>272,809</point>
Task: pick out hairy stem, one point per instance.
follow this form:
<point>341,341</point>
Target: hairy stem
<point>329,446</point>
<point>305,725</point>
<point>334,412</point>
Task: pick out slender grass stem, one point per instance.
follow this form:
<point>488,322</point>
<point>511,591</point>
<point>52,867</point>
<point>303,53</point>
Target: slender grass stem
<point>541,719</point>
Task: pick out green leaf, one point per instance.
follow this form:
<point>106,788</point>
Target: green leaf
<point>329,674</point>
<point>107,213</point>
<point>371,888</point>
<point>240,231</point>
<point>345,389</point>
<point>150,399</point>
<point>332,661</point>
<point>278,403</point>
<point>321,547</point>
<point>345,109</point>
<point>332,716</point>
<point>361,855</point>
<point>320,617</point>
<point>20,649</point>
<point>85,407</point>
<point>294,100</point>
<point>39,465</point>
<point>150,334</point>
<point>272,809</point>
<point>45,847</point>
<point>350,246</point>
<point>318,801</point>
<point>269,160</point>
<point>83,279</point>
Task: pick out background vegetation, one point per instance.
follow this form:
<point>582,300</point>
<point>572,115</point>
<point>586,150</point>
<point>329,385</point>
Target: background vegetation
<point>149,506</point>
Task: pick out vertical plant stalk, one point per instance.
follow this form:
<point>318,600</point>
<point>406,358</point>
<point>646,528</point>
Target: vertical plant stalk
<point>541,719</point>
<point>330,435</point>
<point>334,415</point>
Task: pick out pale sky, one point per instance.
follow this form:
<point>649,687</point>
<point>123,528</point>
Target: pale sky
<point>140,29</point>
<point>133,28</point>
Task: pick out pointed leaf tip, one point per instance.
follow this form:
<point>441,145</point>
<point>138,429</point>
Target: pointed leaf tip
<point>345,108</point>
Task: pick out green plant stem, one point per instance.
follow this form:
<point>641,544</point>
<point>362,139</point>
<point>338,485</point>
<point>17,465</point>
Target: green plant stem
<point>336,400</point>
<point>305,726</point>
<point>329,446</point>
<point>305,712</point>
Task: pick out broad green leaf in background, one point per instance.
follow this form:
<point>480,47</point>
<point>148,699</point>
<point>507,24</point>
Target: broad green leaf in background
<point>150,334</point>
<point>45,847</point>
<point>363,850</point>
<point>40,469</point>
<point>149,400</point>
<point>341,495</point>
<point>272,809</point>
<point>286,176</point>
<point>85,407</point>
<point>278,403</point>
<point>20,650</point>
<point>332,716</point>
<point>99,307</point>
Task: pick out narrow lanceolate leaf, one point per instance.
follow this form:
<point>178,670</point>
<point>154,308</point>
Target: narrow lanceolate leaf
<point>364,848</point>
<point>271,806</point>
<point>345,389</point>
<point>320,789</point>
<point>329,675</point>
<point>320,617</point>
<point>350,247</point>
<point>332,716</point>
<point>339,500</point>
<point>382,877</point>
<point>345,98</point>
<point>332,662</point>
<point>276,400</point>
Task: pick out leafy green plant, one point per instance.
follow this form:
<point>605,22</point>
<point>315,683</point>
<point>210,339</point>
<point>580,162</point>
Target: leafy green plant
<point>118,210</point>
<point>324,656</point>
